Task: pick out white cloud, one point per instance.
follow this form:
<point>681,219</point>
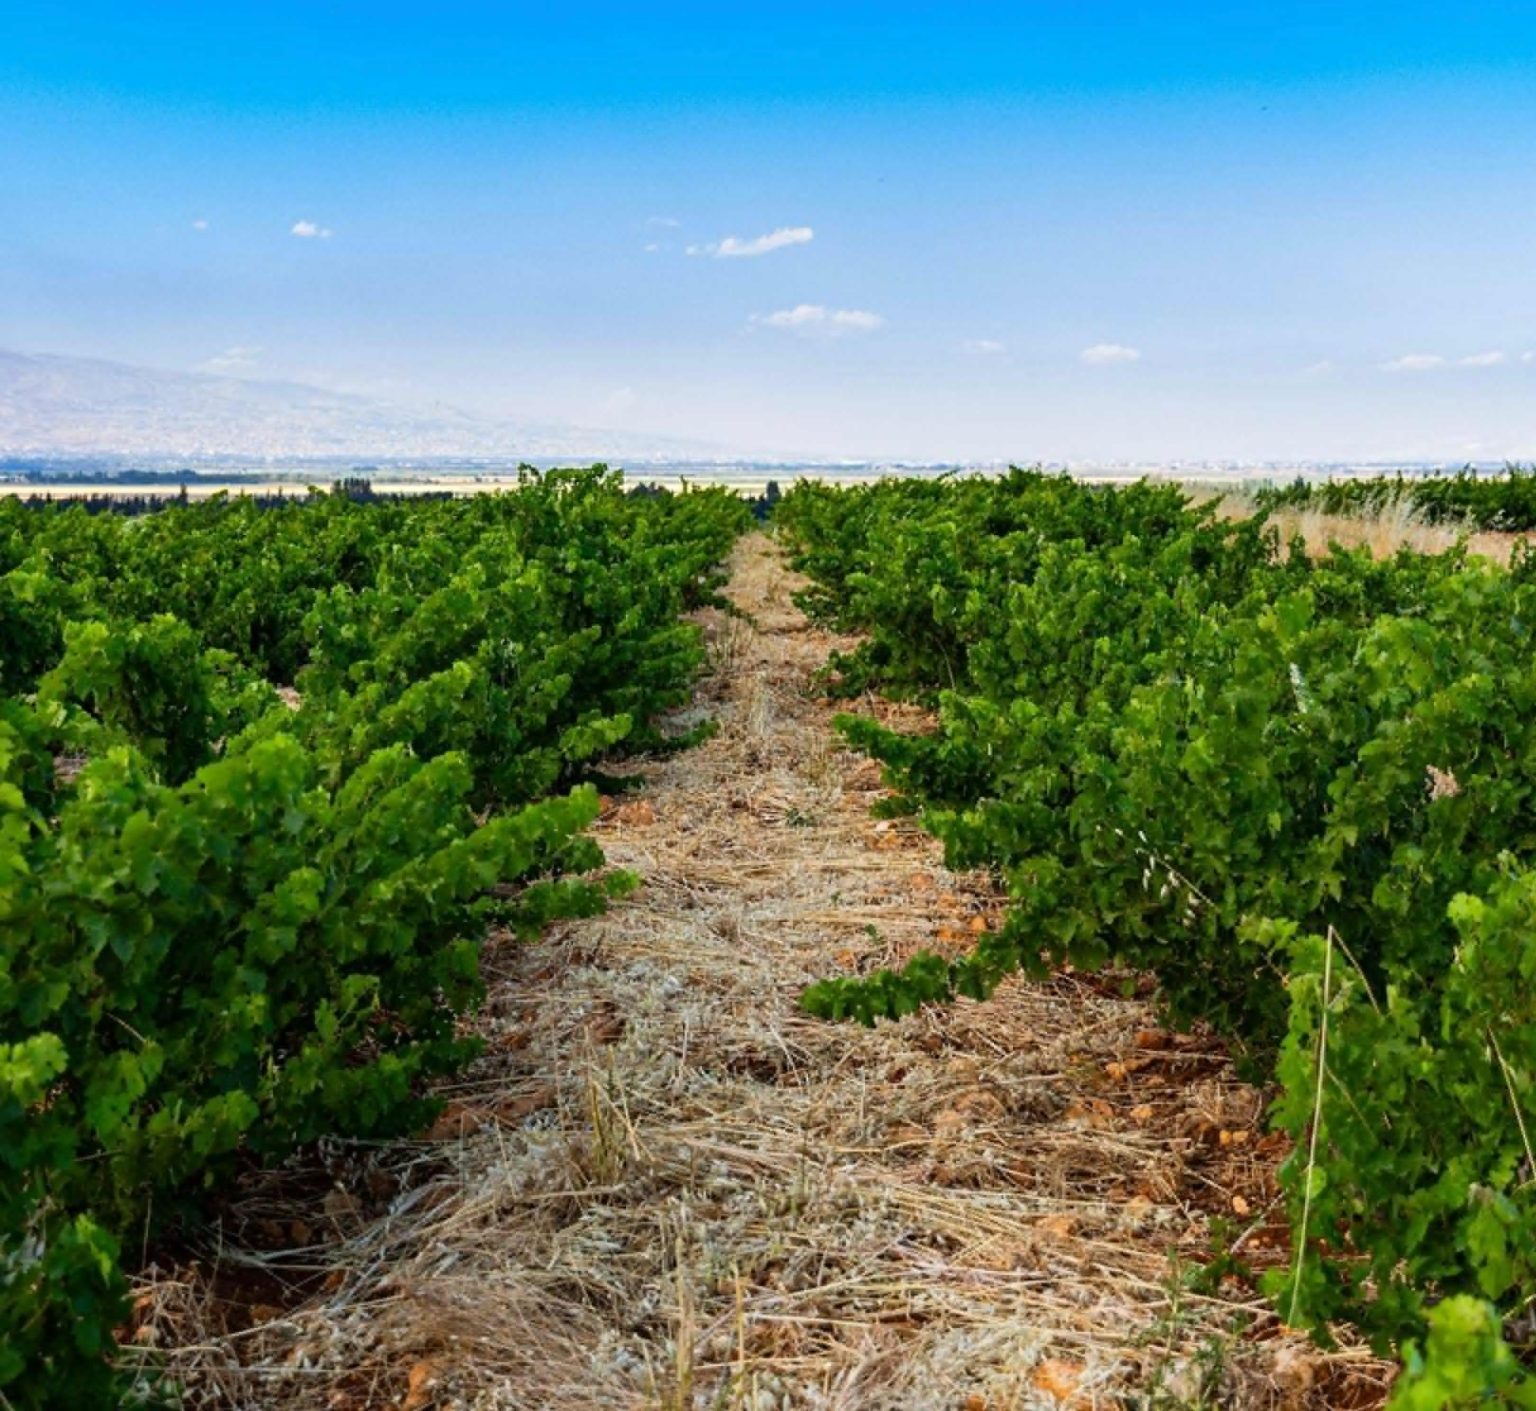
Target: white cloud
<point>1528,357</point>
<point>652,248</point>
<point>1104,354</point>
<point>983,346</point>
<point>199,225</point>
<point>818,319</point>
<point>733,247</point>
<point>664,222</point>
<point>1414,362</point>
<point>1483,360</point>
<point>236,359</point>
<point>308,230</point>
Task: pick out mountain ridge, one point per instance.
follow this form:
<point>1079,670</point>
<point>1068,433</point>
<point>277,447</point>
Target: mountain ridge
<point>61,406</point>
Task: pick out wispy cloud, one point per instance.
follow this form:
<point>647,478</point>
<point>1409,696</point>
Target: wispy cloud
<point>1429,362</point>
<point>237,359</point>
<point>663,222</point>
<point>309,230</point>
<point>984,347</point>
<point>199,224</point>
<point>1318,369</point>
<point>1104,354</point>
<point>819,320</point>
<point>733,247</point>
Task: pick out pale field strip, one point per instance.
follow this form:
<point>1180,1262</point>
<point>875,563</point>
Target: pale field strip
<point>297,487</point>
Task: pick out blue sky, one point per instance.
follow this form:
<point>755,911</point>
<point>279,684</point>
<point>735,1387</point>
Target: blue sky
<point>1096,230</point>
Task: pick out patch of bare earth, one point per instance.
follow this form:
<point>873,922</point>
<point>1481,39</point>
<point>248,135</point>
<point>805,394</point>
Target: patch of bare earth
<point>665,1187</point>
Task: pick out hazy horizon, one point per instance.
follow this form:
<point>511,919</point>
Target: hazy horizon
<point>1087,233</point>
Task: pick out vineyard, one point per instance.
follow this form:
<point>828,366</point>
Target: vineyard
<point>1298,791</point>
<point>269,777</point>
<point>284,782</point>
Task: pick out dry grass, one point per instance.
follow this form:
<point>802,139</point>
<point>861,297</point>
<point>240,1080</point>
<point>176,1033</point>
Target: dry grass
<point>1385,533</point>
<point>666,1188</point>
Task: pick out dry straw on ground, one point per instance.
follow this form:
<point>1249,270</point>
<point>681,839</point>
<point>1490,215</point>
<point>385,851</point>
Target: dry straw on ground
<point>664,1187</point>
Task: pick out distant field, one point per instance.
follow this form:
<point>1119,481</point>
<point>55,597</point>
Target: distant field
<point>752,483</point>
<point>206,489</point>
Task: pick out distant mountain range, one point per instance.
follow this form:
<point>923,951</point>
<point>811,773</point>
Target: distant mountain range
<point>62,407</point>
<point>65,415</point>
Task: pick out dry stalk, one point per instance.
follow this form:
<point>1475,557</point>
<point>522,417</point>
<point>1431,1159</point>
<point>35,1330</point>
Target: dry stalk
<point>1317,1123</point>
<point>1514,1102</point>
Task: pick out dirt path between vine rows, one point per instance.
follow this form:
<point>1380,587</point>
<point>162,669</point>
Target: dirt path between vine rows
<point>664,1187</point>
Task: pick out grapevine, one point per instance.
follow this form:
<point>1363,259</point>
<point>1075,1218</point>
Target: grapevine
<point>267,774</point>
<point>1298,790</point>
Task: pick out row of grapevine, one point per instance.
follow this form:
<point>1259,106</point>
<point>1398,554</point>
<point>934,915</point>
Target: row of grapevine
<point>1301,791</point>
<point>266,778</point>
<point>1506,501</point>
